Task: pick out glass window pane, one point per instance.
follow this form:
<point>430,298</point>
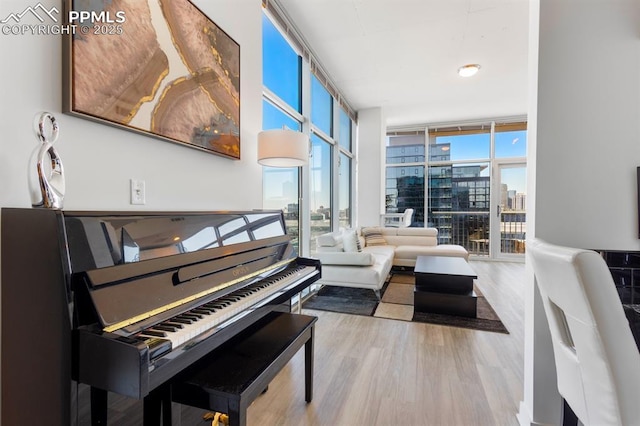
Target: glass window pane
<point>280,185</point>
<point>405,190</point>
<point>281,65</point>
<point>511,144</point>
<point>321,107</point>
<point>344,188</point>
<point>459,201</point>
<point>275,118</point>
<point>460,147</point>
<point>345,130</point>
<point>280,192</point>
<point>320,188</point>
<point>470,187</point>
<point>405,149</point>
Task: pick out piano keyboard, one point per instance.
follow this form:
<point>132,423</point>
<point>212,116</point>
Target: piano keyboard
<point>186,326</point>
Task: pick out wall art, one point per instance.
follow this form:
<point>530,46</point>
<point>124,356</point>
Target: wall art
<point>159,67</point>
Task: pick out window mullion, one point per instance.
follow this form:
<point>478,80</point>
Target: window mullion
<point>305,180</point>
<point>278,102</point>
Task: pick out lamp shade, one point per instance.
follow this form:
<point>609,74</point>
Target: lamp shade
<point>283,148</point>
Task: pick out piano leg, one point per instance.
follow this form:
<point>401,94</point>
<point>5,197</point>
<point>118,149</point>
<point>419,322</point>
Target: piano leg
<point>308,368</point>
<point>98,407</point>
<point>158,401</point>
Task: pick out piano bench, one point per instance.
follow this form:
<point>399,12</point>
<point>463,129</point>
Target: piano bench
<point>229,379</point>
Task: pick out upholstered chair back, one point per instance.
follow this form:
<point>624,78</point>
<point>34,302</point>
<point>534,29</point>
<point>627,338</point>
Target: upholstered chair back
<point>597,360</point>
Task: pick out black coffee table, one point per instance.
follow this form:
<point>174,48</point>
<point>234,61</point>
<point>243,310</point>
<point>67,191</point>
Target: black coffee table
<point>444,285</point>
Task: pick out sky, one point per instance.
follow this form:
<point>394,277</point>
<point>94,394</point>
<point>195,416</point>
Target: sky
<point>511,144</point>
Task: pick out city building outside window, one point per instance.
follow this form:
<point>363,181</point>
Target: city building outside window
<point>456,197</point>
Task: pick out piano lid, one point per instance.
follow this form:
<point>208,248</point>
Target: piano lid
<point>137,265</point>
<point>98,241</point>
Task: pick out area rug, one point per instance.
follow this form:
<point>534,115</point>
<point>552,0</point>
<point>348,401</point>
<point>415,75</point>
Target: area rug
<point>397,304</point>
<point>356,301</point>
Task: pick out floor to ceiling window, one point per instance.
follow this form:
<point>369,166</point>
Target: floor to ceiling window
<point>474,192</point>
<point>460,208</point>
<point>320,179</point>
<point>345,169</point>
<point>344,182</point>
<point>281,108</point>
<point>511,177</point>
<point>316,198</point>
<point>320,186</point>
<point>404,180</point>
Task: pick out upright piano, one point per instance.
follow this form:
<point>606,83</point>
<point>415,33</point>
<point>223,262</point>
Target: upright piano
<point>124,301</point>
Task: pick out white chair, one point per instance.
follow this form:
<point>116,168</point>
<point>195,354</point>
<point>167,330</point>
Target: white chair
<point>397,220</point>
<point>597,360</point>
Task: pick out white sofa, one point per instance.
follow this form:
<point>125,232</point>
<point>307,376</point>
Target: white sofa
<point>343,264</point>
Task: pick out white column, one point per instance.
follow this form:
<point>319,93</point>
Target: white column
<point>542,403</point>
<point>371,171</point>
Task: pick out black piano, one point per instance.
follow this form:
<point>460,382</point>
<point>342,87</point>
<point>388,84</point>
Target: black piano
<point>124,301</point>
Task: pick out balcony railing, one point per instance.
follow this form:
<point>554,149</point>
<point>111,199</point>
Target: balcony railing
<point>471,230</point>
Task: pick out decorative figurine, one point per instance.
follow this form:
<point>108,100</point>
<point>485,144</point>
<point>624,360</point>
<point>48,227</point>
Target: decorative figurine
<point>46,175</point>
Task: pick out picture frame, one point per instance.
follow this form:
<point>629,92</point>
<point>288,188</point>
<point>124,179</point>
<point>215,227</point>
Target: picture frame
<point>161,69</point>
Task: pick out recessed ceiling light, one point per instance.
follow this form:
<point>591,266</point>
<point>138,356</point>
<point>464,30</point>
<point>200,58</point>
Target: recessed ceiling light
<point>468,70</point>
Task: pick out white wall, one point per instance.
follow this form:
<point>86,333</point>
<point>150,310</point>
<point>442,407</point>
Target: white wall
<point>588,129</point>
<point>585,141</point>
<point>371,173</point>
<point>99,160</point>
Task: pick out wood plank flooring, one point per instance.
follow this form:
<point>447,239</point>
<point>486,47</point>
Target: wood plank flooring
<point>371,371</point>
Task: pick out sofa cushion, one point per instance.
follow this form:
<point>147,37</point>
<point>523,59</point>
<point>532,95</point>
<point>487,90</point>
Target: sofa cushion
<point>330,249</point>
<point>409,253</point>
<point>344,258</point>
<point>386,251</point>
<point>373,236</point>
<point>350,241</point>
<point>330,239</point>
<point>452,250</point>
<point>411,236</point>
<point>413,251</point>
<point>417,232</point>
<point>372,276</point>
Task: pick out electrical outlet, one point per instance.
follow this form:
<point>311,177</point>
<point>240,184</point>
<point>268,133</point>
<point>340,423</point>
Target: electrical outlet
<point>137,191</point>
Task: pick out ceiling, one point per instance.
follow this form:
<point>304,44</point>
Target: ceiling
<point>403,55</point>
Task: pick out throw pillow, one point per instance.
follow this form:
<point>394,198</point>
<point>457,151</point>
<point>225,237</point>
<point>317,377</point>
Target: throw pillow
<point>373,237</point>
<point>349,240</point>
<point>327,240</point>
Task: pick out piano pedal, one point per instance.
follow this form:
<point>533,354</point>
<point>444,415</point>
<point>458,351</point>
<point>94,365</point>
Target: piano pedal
<point>217,419</point>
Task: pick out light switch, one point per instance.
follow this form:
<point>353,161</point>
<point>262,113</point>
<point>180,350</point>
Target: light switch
<point>137,191</point>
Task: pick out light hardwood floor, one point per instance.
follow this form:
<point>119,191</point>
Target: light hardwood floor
<point>371,371</point>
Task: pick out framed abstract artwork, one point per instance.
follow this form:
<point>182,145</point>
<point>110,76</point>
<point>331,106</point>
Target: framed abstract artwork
<point>160,68</point>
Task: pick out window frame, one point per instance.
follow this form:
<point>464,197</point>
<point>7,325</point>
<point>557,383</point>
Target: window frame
<point>309,67</point>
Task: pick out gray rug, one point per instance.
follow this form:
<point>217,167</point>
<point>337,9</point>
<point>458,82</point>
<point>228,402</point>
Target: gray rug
<point>356,301</point>
<point>397,304</point>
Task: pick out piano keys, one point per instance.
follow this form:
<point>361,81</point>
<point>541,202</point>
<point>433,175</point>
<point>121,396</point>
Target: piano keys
<point>137,297</point>
<point>191,324</point>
